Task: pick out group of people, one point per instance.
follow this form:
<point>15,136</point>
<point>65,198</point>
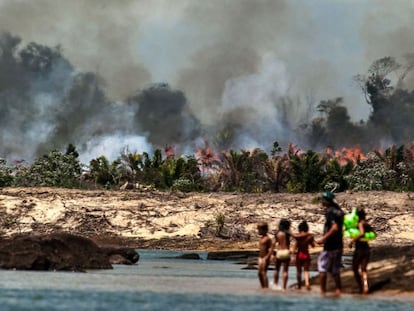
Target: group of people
<point>280,251</point>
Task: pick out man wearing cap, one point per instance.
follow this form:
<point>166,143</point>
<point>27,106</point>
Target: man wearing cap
<point>330,259</point>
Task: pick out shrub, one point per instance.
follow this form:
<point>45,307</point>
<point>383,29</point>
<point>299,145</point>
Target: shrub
<point>102,172</point>
<point>371,174</point>
<point>183,185</point>
<point>220,220</point>
<point>55,169</point>
<point>6,177</point>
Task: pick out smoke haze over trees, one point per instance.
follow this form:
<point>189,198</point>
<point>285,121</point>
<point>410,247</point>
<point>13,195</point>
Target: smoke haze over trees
<point>236,74</point>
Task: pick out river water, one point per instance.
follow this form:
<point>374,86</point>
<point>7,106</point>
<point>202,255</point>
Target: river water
<point>160,282</point>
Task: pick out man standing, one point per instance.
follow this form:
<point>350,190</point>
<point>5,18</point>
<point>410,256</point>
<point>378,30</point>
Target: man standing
<point>330,259</point>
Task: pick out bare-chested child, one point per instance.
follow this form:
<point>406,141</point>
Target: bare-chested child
<point>282,245</point>
<point>265,252</point>
<point>303,240</point>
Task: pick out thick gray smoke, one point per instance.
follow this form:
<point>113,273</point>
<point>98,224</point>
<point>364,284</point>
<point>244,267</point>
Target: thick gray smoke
<point>105,74</point>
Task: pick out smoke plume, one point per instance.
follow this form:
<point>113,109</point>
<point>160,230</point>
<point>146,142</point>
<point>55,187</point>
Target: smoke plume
<point>147,74</point>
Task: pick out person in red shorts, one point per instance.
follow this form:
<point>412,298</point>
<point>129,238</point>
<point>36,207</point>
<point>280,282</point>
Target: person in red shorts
<point>303,240</point>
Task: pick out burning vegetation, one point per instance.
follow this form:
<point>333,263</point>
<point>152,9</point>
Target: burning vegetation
<point>246,171</point>
<point>45,103</point>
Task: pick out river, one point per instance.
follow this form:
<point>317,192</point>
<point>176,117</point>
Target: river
<point>161,282</point>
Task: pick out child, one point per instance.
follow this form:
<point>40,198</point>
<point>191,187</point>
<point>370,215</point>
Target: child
<point>265,251</point>
<point>362,253</point>
<point>303,240</point>
<point>282,243</point>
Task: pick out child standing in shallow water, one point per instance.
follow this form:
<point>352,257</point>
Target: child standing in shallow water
<point>282,244</point>
<point>265,252</point>
<point>303,240</point>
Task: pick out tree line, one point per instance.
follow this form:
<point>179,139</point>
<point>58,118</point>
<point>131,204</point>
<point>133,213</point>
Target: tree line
<point>251,171</point>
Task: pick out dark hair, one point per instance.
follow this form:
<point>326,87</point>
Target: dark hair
<point>263,226</point>
<point>361,213</point>
<point>303,226</point>
<point>284,225</point>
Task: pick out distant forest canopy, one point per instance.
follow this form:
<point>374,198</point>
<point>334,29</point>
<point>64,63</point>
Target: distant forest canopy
<point>45,103</point>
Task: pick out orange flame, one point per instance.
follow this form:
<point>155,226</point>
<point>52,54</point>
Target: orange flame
<point>344,155</point>
<point>207,157</point>
<point>169,151</point>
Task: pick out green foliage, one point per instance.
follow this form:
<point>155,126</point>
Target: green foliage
<point>392,156</point>
<point>150,173</point>
<point>6,177</point>
<point>102,172</point>
<point>401,160</point>
<point>153,171</point>
<point>71,150</point>
<point>316,200</point>
<point>277,173</point>
<point>169,171</point>
<point>335,174</point>
<point>306,172</point>
<point>183,184</point>
<point>180,174</point>
<point>244,171</point>
<point>276,148</point>
<point>9,222</point>
<point>230,170</point>
<point>253,172</point>
<point>129,166</point>
<point>372,174</point>
<point>335,128</point>
<point>407,168</point>
<point>157,159</point>
<point>187,174</point>
<point>55,169</point>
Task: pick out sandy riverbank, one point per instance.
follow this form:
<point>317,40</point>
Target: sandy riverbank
<point>151,219</point>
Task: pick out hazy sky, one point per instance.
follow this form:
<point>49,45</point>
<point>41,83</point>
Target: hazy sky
<point>223,54</point>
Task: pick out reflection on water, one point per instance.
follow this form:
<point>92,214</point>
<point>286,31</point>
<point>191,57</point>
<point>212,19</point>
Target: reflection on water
<point>159,283</point>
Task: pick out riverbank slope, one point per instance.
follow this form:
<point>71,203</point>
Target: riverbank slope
<point>211,221</point>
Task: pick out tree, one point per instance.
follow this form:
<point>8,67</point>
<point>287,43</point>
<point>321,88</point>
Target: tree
<point>277,172</point>
<point>375,84</point>
<point>335,174</point>
<point>335,127</point>
<point>55,169</point>
<point>316,134</point>
<point>6,177</point>
<point>39,58</point>
<point>392,106</point>
<point>306,171</point>
<point>230,170</point>
<point>103,172</point>
<point>71,150</point>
